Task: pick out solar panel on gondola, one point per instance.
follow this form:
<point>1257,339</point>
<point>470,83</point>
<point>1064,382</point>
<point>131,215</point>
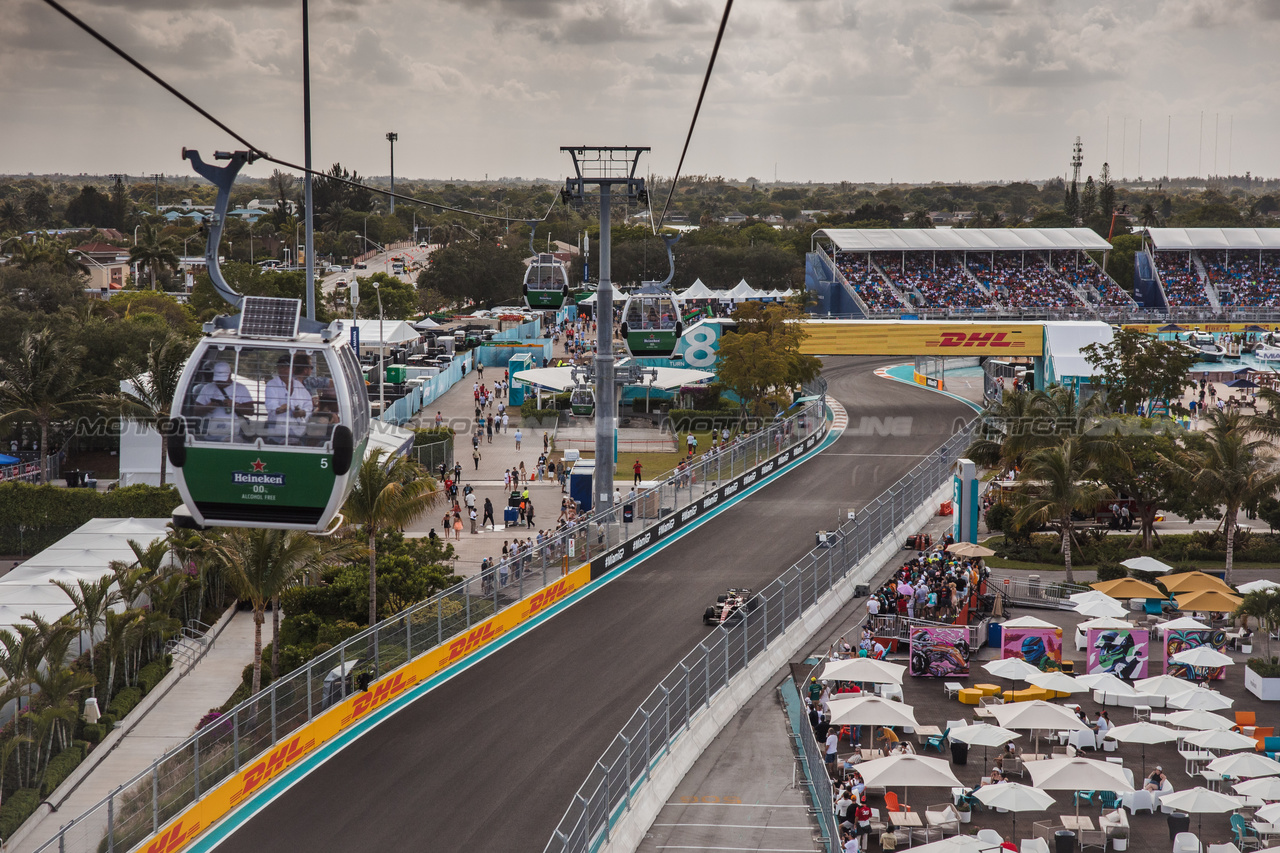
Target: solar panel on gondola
<point>269,317</point>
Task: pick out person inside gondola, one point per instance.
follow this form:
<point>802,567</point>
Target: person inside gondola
<point>219,400</point>
<point>651,319</point>
<point>289,403</point>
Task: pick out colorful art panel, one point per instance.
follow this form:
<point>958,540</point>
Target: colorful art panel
<point>1122,653</point>
<point>1039,646</point>
<point>939,652</point>
<point>1180,641</point>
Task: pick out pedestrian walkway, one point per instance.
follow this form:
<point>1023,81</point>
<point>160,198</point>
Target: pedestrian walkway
<point>172,720</point>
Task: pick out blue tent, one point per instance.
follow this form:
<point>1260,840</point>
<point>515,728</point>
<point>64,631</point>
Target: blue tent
<point>8,460</point>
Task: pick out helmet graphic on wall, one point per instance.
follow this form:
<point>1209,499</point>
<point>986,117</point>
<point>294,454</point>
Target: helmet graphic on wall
<point>1033,649</point>
<point>1113,647</point>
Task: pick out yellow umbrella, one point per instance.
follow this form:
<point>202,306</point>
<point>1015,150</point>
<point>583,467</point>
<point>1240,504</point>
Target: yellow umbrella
<point>1208,600</point>
<point>1129,588</point>
<point>1194,582</point>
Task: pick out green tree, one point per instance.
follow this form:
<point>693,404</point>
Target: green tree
<point>154,384</point>
<point>1057,482</point>
<point>92,601</point>
<point>762,361</point>
<point>43,383</point>
<point>1263,606</point>
<point>1148,480</point>
<point>386,495</point>
<point>1234,469</point>
<point>11,216</point>
<point>399,299</point>
<point>479,273</point>
<point>1140,370</point>
<point>154,252</point>
<point>261,564</point>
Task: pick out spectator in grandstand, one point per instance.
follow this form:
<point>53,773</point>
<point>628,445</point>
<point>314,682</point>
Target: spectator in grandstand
<point>1181,282</point>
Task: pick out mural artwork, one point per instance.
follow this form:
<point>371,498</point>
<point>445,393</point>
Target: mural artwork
<point>1180,641</point>
<point>1041,647</point>
<point>939,652</point>
<point>1122,653</point>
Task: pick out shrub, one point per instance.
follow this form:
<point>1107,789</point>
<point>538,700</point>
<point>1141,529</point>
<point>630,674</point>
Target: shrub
<point>93,733</point>
<point>1109,571</point>
<point>151,674</point>
<point>1265,668</point>
<point>334,633</point>
<point>59,768</point>
<point>107,722</point>
<point>998,517</point>
<point>18,806</point>
<point>125,701</point>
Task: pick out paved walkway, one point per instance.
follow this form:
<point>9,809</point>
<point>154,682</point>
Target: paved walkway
<point>171,721</point>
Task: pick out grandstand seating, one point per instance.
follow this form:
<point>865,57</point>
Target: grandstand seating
<point>1181,282</point>
<point>1250,279</point>
<point>1020,282</point>
<point>944,286</point>
<point>1079,271</point>
<point>867,282</point>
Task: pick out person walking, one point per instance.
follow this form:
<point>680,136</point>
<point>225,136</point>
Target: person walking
<point>480,370</point>
<point>519,436</point>
<point>488,515</point>
<point>457,526</point>
<point>546,442</point>
<point>528,513</point>
<point>471,513</point>
<point>488,431</point>
<point>637,468</point>
<point>475,457</point>
<point>506,423</point>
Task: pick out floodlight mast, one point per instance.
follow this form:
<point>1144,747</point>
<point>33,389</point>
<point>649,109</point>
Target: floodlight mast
<point>606,166</point>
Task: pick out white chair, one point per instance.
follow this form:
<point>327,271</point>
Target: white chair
<point>1034,845</point>
<point>990,836</point>
<point>957,724</point>
<point>1229,847</point>
<point>1186,842</point>
<point>953,689</point>
<point>1128,775</point>
<point>1166,788</point>
<point>1136,801</point>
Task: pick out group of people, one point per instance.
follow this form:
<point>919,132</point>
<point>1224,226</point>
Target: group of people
<point>934,585</point>
<point>1079,271</point>
<point>862,277</point>
<point>1246,278</point>
<point>938,277</point>
<point>1021,280</point>
<point>1181,281</point>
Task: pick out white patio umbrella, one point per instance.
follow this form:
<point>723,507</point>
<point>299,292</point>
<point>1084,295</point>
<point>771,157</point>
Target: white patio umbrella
<point>907,770</point>
<point>1027,622</point>
<point>1264,788</point>
<point>1147,564</point>
<point>1268,813</point>
<point>1014,669</point>
<point>1197,719</point>
<point>1245,765</point>
<point>864,669</point>
<point>1142,733</point>
<point>1109,683</point>
<point>1059,682</point>
<point>868,711</point>
<point>1014,797</point>
<point>1088,595</point>
<point>1223,739</point>
<point>958,844</point>
<point>1204,656</point>
<point>1163,685</point>
<point>1201,699</point>
<point>1036,716</point>
<point>1200,801</point>
<point>1257,586</point>
<point>1098,607</point>
<point>1078,774</point>
<point>1182,623</point>
<point>983,735</point>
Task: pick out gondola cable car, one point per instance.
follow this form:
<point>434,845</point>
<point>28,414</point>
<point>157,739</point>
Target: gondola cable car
<point>271,412</point>
<point>582,401</point>
<point>546,281</point>
<point>651,319</point>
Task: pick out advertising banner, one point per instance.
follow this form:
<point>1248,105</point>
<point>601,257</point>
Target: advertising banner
<point>1180,641</point>
<point>939,652</point>
<point>1041,647</point>
<point>921,337</point>
<point>1119,652</point>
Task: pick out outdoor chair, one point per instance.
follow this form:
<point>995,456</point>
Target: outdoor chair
<point>1095,838</point>
<point>990,836</point>
<point>1034,845</point>
<point>1243,835</point>
<point>1109,799</point>
<point>1014,765</point>
<point>937,742</point>
<point>1141,800</point>
<point>891,803</point>
<point>988,701</point>
<point>1112,822</point>
<point>944,817</point>
<point>1186,842</point>
<point>956,724</point>
<point>1044,830</point>
<point>877,825</point>
<point>1084,797</point>
<point>1245,718</point>
<point>1222,848</point>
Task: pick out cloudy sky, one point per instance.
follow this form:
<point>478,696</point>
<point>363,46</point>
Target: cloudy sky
<point>823,90</point>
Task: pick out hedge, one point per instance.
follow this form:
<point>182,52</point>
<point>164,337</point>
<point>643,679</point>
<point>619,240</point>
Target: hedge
<point>149,676</point>
<point>125,701</point>
<point>49,513</point>
<point>18,806</point>
<point>60,767</point>
<point>93,733</point>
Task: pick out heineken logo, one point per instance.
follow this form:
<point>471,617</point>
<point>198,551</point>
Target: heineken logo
<point>259,476</point>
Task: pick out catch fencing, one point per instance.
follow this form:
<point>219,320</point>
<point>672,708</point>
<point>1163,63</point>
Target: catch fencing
<point>816,778</point>
<point>233,745</point>
<point>1032,591</point>
<point>689,688</point>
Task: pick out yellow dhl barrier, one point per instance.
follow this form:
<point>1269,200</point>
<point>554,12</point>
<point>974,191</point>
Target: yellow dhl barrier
<point>1220,328</point>
<point>332,722</point>
<point>922,337</point>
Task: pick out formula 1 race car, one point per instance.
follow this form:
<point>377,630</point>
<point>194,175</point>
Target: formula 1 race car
<point>730,607</point>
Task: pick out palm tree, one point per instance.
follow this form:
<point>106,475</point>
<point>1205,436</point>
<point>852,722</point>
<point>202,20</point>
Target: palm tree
<point>153,251</point>
<point>92,600</point>
<point>42,382</point>
<point>11,217</point>
<point>1148,217</point>
<point>1059,481</point>
<point>155,384</point>
<point>1235,469</point>
<point>261,563</point>
<point>1263,605</point>
<point>921,219</point>
<point>387,495</point>
<point>59,687</point>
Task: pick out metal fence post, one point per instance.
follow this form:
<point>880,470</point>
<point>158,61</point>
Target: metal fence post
<point>647,753</point>
<point>439,621</point>
<point>309,694</point>
<point>111,822</point>
<point>273,703</point>
<point>155,800</point>
<point>235,730</point>
<point>408,636</point>
<point>342,670</point>
<point>195,752</point>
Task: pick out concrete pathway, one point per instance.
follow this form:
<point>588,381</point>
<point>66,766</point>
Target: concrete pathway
<point>210,682</point>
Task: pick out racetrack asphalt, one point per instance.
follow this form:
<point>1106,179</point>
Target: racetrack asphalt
<point>490,759</point>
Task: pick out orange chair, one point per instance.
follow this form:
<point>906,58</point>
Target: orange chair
<point>891,803</point>
<point>1244,718</point>
<point>1262,733</point>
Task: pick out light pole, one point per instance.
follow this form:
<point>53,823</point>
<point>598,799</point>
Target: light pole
<point>250,242</point>
<point>296,225</point>
<point>382,356</point>
<point>392,137</point>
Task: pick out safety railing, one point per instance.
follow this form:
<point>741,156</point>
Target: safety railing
<point>694,683</point>
<point>140,807</point>
<point>1033,591</point>
<point>816,778</point>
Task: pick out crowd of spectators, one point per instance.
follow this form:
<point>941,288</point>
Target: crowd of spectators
<point>1182,286</point>
<point>934,585</point>
<point>938,276</point>
<point>864,279</point>
<point>1245,278</point>
<point>1021,280</point>
<point>1078,270</point>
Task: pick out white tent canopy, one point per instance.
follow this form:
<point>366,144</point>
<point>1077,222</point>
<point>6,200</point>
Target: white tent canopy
<point>742,290</point>
<point>1215,238</point>
<point>618,297</point>
<point>393,332</point>
<point>698,290</point>
<point>962,239</point>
